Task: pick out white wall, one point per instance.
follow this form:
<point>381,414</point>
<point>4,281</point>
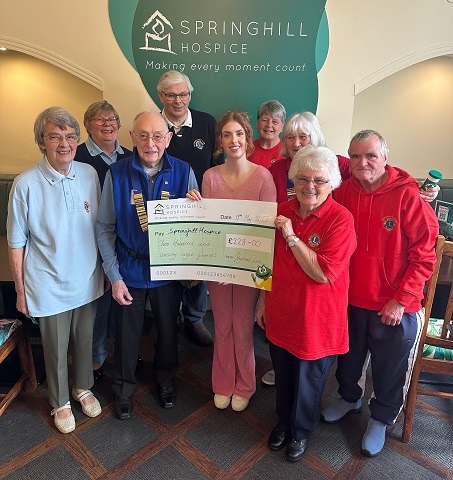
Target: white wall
<point>413,110</point>
<point>372,37</point>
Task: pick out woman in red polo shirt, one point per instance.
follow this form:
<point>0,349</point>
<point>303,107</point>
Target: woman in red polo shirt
<point>305,314</point>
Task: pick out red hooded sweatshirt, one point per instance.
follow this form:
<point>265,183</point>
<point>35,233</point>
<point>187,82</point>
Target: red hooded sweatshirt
<point>396,232</point>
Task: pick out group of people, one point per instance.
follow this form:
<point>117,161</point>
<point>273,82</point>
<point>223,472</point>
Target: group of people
<point>347,300</point>
<point>76,305</point>
<point>354,245</point>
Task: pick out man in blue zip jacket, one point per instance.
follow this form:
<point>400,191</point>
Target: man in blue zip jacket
<point>121,231</point>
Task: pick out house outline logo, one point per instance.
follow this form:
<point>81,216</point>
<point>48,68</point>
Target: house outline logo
<point>159,209</point>
<point>160,38</point>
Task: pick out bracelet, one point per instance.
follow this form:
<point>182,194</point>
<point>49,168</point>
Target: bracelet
<point>289,236</point>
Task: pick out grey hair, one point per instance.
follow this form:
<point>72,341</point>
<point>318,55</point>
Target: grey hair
<point>173,77</point>
<point>97,108</point>
<point>365,135</point>
<point>318,159</point>
<point>59,117</point>
<point>308,124</point>
<point>273,108</point>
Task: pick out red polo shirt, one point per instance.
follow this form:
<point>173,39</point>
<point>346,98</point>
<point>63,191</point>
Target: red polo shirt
<point>307,318</point>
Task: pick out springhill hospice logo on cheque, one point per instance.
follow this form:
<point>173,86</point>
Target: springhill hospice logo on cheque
<point>237,55</point>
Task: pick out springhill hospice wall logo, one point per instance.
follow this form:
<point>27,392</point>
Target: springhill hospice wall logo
<point>159,39</point>
<point>237,55</point>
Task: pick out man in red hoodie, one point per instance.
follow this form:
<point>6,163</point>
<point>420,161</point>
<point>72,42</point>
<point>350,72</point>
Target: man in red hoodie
<point>396,232</point>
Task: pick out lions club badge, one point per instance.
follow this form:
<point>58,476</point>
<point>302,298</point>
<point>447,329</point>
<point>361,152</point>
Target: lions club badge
<point>314,240</point>
<point>389,223</point>
<point>199,143</point>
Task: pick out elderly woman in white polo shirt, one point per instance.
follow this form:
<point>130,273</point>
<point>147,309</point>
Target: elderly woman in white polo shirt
<point>54,259</point>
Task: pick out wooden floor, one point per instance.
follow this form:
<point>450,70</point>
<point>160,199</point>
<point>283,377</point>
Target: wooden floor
<point>194,440</point>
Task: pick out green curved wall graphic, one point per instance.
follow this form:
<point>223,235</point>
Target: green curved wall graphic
<point>237,55</point>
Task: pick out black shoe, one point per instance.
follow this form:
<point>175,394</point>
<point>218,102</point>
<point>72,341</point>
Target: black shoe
<point>123,407</point>
<point>167,397</point>
<point>199,334</point>
<point>139,363</point>
<point>295,449</point>
<point>277,439</point>
<point>98,373</point>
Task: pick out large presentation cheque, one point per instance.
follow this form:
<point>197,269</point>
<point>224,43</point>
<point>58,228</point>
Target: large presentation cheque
<point>220,240</point>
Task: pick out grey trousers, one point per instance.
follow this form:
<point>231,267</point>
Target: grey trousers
<point>56,333</point>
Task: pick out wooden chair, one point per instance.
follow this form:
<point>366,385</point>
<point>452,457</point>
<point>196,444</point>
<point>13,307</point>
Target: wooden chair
<point>444,249</point>
<point>27,380</point>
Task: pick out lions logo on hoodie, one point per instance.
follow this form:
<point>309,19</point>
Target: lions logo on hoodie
<point>389,223</point>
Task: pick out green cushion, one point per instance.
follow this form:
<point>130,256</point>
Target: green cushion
<point>438,353</point>
<point>7,327</point>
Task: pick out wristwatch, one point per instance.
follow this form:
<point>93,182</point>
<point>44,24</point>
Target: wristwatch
<point>293,242</point>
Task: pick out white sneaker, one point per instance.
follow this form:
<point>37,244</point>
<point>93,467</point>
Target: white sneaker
<point>239,403</point>
<point>269,378</point>
<point>221,401</point>
<point>64,425</point>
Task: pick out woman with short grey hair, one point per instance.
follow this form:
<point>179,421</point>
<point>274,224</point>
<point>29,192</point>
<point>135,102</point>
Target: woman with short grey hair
<point>57,116</point>
<point>268,146</point>
<point>321,160</point>
<point>314,241</point>
<point>54,260</point>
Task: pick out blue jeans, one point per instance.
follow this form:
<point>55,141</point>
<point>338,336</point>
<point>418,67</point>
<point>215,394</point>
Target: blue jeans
<point>194,303</point>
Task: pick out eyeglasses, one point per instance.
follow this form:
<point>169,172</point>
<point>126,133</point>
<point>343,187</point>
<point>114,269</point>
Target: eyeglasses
<point>172,96</point>
<point>56,138</point>
<point>156,137</point>
<point>317,182</point>
<point>99,121</point>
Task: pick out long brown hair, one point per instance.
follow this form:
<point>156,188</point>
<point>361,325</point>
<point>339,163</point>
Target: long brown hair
<point>243,119</point>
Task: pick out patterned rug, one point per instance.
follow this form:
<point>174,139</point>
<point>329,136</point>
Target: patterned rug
<point>194,440</point>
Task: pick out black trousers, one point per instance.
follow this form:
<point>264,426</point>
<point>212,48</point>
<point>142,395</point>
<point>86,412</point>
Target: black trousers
<point>299,385</point>
<point>391,348</point>
<point>165,302</point>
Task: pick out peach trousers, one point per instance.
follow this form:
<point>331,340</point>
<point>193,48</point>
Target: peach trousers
<point>233,363</point>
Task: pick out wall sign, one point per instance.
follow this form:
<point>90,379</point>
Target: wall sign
<point>237,54</point>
